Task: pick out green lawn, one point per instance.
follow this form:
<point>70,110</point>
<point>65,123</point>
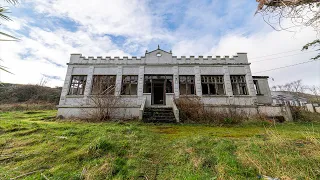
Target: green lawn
<point>56,149</point>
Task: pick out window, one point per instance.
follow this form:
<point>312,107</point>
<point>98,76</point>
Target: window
<point>77,85</point>
<point>186,85</point>
<point>147,84</point>
<point>212,85</point>
<point>239,86</point>
<point>103,84</point>
<point>256,87</point>
<point>166,80</point>
<point>129,85</point>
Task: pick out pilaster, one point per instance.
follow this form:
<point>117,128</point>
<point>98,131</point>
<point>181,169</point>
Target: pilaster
<point>176,81</point>
<point>88,87</point>
<point>140,81</point>
<point>227,81</point>
<point>118,81</point>
<point>66,85</point>
<point>198,80</point>
<point>249,81</point>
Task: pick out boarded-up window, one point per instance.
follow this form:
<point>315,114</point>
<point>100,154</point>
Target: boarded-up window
<point>186,85</point>
<point>129,85</point>
<point>78,83</point>
<point>103,84</point>
<point>212,85</point>
<point>239,85</point>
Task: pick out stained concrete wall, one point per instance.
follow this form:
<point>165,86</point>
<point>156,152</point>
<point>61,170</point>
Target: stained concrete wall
<point>152,63</point>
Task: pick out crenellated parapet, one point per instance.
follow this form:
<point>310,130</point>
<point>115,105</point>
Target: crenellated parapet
<point>159,57</point>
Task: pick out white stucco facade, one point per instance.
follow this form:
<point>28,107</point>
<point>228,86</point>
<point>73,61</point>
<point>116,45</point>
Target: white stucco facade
<point>158,64</point>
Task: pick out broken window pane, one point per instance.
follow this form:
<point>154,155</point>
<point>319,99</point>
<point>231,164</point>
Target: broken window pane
<point>186,85</point>
<point>212,85</point>
<point>78,83</point>
<point>239,86</point>
<point>103,84</point>
<point>256,87</point>
<point>129,85</point>
<point>149,80</point>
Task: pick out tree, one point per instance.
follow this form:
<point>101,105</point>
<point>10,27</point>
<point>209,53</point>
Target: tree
<point>301,13</point>
<point>297,86</point>
<point>315,91</point>
<point>3,16</point>
<point>280,87</point>
<point>288,87</point>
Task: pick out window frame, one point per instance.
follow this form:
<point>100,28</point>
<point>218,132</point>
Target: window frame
<point>215,81</point>
<point>107,83</point>
<point>167,77</point>
<point>257,87</point>
<point>136,77</point>
<point>239,84</point>
<point>84,82</point>
<point>186,85</point>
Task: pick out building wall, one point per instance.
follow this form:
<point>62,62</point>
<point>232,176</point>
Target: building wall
<point>265,94</point>
<point>151,63</point>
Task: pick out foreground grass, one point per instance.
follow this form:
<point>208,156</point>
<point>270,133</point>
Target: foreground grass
<point>35,142</point>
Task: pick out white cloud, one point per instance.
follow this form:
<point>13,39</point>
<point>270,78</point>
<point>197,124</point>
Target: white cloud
<point>203,28</point>
<point>42,53</point>
<point>121,17</point>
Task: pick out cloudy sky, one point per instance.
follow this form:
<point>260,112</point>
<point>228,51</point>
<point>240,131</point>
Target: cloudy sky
<point>50,30</point>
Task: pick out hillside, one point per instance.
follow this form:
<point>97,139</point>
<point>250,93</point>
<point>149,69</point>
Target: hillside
<point>18,93</point>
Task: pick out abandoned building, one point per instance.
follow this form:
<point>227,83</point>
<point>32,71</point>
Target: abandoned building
<point>157,78</point>
<point>288,98</point>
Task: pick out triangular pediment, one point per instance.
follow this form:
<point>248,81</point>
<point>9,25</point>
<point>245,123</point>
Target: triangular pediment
<point>158,56</point>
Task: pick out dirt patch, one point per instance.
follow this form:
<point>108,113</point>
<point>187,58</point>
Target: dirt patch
<point>29,132</point>
<point>33,112</point>
<point>15,129</point>
<point>165,130</point>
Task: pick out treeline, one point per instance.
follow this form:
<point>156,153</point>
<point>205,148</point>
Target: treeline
<point>16,93</point>
<point>312,93</point>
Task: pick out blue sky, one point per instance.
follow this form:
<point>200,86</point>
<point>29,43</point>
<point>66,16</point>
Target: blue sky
<point>50,30</point>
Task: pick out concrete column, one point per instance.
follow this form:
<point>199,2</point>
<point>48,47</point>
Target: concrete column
<point>118,81</point>
<point>140,81</point>
<point>249,80</point>
<point>227,81</point>
<point>198,80</point>
<point>66,85</point>
<point>250,86</point>
<point>87,89</point>
<point>176,89</point>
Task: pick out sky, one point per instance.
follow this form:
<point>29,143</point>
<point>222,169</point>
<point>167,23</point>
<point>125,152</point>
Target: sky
<point>50,30</point>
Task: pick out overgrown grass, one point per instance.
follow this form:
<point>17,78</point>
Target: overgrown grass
<point>35,141</point>
<point>27,106</point>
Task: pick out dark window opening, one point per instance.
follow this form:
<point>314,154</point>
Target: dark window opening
<point>187,85</point>
<point>239,85</point>
<point>212,85</point>
<point>256,87</point>
<point>129,85</point>
<point>77,86</point>
<point>103,85</point>
<point>149,80</point>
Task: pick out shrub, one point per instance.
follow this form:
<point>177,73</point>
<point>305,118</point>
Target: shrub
<point>10,93</point>
<point>301,115</point>
<point>104,107</point>
<point>192,110</point>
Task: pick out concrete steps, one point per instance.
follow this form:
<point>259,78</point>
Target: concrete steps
<point>159,115</point>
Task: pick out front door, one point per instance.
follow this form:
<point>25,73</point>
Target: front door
<point>158,93</point>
